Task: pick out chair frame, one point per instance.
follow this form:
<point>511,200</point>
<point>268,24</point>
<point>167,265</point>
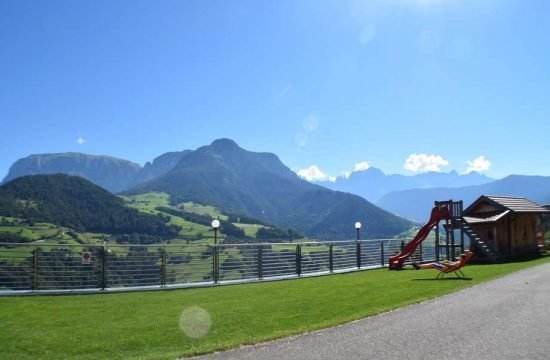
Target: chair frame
<point>459,274</point>
<point>455,269</point>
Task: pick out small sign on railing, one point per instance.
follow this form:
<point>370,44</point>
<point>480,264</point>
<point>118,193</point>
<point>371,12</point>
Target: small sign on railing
<point>86,258</point>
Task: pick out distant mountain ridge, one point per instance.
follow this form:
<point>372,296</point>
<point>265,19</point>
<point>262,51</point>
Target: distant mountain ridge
<point>108,172</point>
<point>373,184</point>
<point>260,185</point>
<point>416,204</point>
<point>111,173</point>
<point>160,166</point>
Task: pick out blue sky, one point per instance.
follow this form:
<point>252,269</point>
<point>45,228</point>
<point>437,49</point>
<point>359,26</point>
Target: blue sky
<point>325,83</point>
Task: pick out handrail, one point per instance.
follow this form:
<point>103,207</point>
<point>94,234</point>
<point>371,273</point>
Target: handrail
<point>108,245</point>
<point>33,268</point>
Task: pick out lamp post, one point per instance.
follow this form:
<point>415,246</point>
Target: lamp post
<point>358,245</point>
<point>215,225</point>
<point>358,227</point>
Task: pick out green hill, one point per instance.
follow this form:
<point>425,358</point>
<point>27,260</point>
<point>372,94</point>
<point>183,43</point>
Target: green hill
<point>76,203</point>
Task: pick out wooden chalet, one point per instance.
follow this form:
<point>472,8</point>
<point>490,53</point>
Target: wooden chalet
<point>512,226</point>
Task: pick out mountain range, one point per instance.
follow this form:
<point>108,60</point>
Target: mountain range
<point>260,185</point>
<point>373,184</point>
<point>416,204</point>
<point>226,176</point>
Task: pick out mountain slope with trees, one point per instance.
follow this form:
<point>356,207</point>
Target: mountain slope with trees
<point>76,203</point>
<point>260,185</point>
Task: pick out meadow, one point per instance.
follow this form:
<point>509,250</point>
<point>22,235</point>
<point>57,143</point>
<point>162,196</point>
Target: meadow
<point>175,323</point>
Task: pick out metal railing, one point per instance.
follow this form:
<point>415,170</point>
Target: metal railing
<point>46,268</point>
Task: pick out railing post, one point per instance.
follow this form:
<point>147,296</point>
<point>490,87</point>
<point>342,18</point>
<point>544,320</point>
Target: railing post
<point>163,267</point>
<point>382,253</point>
<point>34,285</point>
<point>331,257</point>
<point>452,232</point>
<point>103,267</point>
<point>461,241</point>
<point>260,262</point>
<point>437,243</point>
<point>215,264</point>
<point>447,242</point>
<point>298,259</point>
<point>358,254</point>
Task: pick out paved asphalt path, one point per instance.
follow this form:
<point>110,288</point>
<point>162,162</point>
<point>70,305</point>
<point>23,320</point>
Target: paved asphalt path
<point>508,318</point>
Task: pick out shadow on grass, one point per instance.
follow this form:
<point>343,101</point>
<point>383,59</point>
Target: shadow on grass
<point>445,279</point>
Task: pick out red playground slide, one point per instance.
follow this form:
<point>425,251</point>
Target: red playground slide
<point>438,213</point>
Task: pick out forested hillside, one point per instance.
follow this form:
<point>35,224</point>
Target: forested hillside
<point>78,204</point>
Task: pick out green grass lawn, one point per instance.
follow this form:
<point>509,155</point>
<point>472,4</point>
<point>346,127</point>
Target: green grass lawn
<point>146,325</point>
<point>249,229</point>
<point>147,202</point>
<point>204,210</point>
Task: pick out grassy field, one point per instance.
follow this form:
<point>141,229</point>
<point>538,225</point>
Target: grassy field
<point>204,210</point>
<point>249,229</point>
<point>147,202</point>
<point>169,324</point>
<point>200,234</point>
<point>190,233</point>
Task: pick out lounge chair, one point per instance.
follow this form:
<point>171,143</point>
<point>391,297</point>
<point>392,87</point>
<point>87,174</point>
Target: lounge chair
<point>454,268</point>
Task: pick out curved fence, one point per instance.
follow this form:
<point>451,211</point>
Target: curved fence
<point>46,268</point>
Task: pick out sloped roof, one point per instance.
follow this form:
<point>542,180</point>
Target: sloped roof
<point>518,204</point>
<point>514,204</point>
<point>487,220</point>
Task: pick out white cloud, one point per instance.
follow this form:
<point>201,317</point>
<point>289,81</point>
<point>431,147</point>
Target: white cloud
<point>311,123</point>
<point>479,164</point>
<point>313,173</point>
<point>361,166</point>
<point>345,174</point>
<point>424,163</point>
<point>80,140</point>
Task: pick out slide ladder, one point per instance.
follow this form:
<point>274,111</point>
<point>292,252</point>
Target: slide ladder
<point>489,251</point>
<point>441,211</point>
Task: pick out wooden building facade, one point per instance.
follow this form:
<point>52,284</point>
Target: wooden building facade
<point>512,226</point>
